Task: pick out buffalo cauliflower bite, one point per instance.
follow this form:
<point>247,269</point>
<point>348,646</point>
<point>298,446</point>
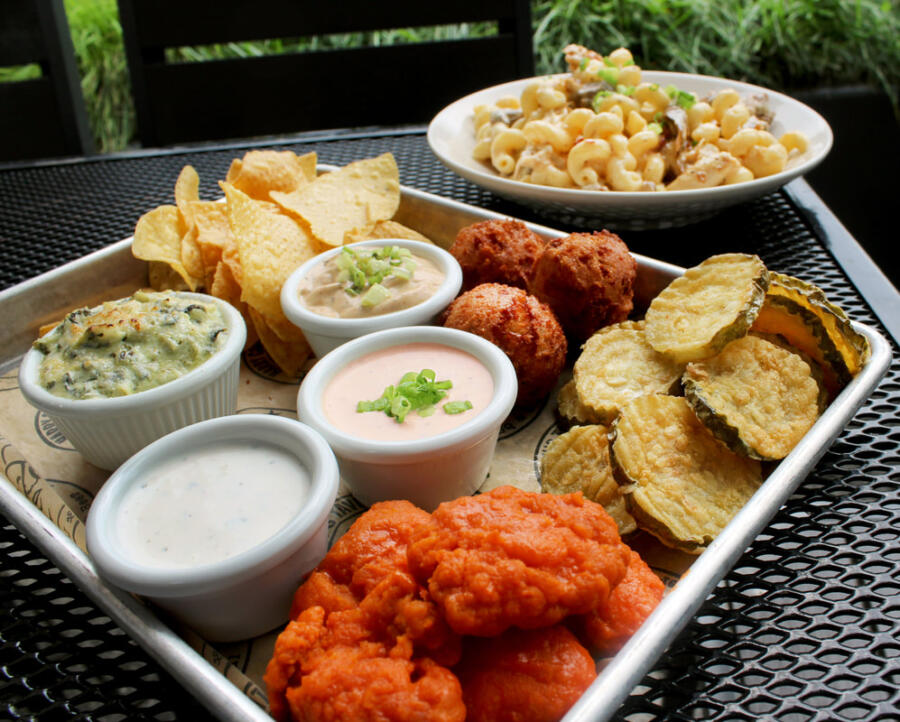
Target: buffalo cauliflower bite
<point>524,676</point>
<point>510,558</point>
<point>608,626</point>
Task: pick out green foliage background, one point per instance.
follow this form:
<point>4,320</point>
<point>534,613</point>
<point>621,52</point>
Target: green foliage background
<point>780,44</point>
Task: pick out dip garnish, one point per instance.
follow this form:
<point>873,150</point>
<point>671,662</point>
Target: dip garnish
<point>363,271</point>
<point>417,392</point>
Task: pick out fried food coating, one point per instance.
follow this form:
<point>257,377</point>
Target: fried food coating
<point>524,676</point>
<point>613,621</point>
<point>524,328</point>
<point>497,252</point>
<point>374,546</point>
<point>588,281</point>
<point>347,685</point>
<point>511,558</point>
<point>365,640</point>
<point>326,669</point>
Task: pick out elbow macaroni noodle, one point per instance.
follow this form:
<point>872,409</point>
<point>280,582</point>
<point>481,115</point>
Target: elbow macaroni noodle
<point>602,128</point>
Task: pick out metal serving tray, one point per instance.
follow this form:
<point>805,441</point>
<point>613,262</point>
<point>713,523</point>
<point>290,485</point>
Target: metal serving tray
<point>47,297</point>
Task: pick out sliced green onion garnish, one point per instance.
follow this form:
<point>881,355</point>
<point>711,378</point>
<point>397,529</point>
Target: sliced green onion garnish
<point>610,75</point>
<point>375,295</point>
<point>417,392</point>
<point>655,127</point>
<point>457,407</point>
<point>363,270</point>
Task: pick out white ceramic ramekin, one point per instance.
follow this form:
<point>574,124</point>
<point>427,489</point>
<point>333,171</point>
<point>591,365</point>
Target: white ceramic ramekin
<point>251,592</point>
<point>108,431</point>
<point>326,333</point>
<point>424,471</point>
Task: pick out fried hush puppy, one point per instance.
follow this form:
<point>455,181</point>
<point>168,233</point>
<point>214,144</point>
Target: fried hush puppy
<point>497,251</point>
<point>588,281</point>
<point>525,329</point>
<point>521,675</point>
<point>509,558</point>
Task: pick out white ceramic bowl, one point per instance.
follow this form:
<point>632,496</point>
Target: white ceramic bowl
<point>451,136</point>
<point>249,593</point>
<point>108,431</point>
<point>325,333</point>
<point>424,471</point>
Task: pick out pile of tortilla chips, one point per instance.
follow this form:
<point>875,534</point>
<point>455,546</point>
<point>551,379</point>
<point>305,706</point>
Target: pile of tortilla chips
<point>277,214</point>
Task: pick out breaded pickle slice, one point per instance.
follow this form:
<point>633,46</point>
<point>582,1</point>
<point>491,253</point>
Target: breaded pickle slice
<point>578,460</point>
<point>783,317</point>
<point>685,485</point>
<point>618,364</point>
<point>755,396</point>
<point>572,409</point>
<point>814,325</point>
<point>714,303</point>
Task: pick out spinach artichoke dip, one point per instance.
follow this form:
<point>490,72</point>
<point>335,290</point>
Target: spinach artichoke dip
<point>130,345</point>
<point>372,281</point>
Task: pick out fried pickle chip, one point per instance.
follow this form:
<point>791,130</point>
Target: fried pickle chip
<point>685,486</point>
<point>756,397</point>
<point>157,238</point>
<point>386,229</point>
<point>799,312</point>
<point>578,460</point>
<point>616,365</point>
<point>572,409</point>
<point>357,196</point>
<point>699,313</point>
<point>270,246</point>
<point>262,171</point>
<point>290,356</point>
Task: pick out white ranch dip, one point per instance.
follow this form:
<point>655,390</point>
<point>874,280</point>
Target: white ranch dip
<point>208,504</point>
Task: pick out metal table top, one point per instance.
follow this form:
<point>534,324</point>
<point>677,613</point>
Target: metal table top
<point>803,628</point>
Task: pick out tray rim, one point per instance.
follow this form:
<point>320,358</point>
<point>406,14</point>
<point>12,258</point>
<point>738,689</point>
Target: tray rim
<point>227,702</point>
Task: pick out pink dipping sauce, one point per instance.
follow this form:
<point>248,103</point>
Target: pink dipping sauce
<point>366,378</point>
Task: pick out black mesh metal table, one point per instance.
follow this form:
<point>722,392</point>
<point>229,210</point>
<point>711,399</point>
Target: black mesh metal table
<point>804,627</point>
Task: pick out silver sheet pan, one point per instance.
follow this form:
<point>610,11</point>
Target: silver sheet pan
<point>82,282</point>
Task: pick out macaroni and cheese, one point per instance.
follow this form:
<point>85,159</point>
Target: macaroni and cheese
<point>601,128</point>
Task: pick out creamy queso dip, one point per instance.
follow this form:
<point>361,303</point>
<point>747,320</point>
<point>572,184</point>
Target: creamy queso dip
<point>208,504</point>
<point>366,378</point>
<point>324,292</point>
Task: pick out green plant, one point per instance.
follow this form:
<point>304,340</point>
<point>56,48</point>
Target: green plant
<point>97,37</point>
<point>775,43</point>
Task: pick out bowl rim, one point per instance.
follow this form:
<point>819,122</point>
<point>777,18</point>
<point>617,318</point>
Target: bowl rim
<point>113,563</point>
<point>155,397</point>
<point>369,450</point>
<point>313,322</point>
<point>581,198</point>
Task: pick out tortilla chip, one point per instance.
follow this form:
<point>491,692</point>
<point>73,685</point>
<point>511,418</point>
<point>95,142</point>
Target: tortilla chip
<point>270,246</point>
<point>157,238</point>
<point>357,196</point>
<point>213,234</point>
<point>261,171</point>
<point>225,286</point>
<point>386,229</point>
<point>162,277</point>
<point>289,355</point>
